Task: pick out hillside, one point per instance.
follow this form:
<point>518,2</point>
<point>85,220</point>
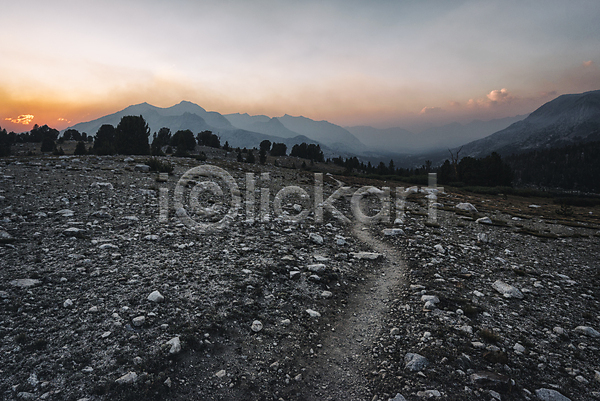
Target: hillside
<point>565,120</point>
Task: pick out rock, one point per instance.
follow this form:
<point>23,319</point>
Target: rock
<point>256,326</point>
<point>393,231</point>
<point>139,321</point>
<point>482,238</point>
<point>155,296</point>
<point>439,248</point>
<point>394,331</point>
<point>317,268</point>
<point>313,313</point>
<point>221,373</point>
<point>430,298</point>
<point>68,303</point>
<point>489,378</point>
<point>101,214</point>
<point>429,394</point>
<point>104,185</point>
<point>286,322</point>
<point>25,282</point>
<point>508,291</point>
<point>484,220</point>
<point>151,237</point>
<point>142,167</point>
<point>93,309</point>
<point>546,394</point>
<point>66,213</point>
<point>175,344</point>
<point>415,362</point>
<point>365,255</point>
<point>398,397</point>
<point>467,207</point>
<point>340,240</point>
<point>168,382</point>
<point>519,348</point>
<point>326,294</point>
<point>295,274</point>
<point>74,232</point>
<point>6,238</point>
<point>127,378</point>
<point>586,330</point>
<point>129,160</point>
<point>559,330</point>
<point>316,238</point>
<point>108,246</point>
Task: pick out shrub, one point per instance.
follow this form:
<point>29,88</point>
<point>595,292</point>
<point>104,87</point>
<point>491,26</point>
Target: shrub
<point>160,166</point>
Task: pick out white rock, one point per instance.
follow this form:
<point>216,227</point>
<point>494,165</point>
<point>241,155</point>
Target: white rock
<point>316,238</point>
<point>313,313</point>
<point>430,298</point>
<point>467,207</point>
<point>588,331</point>
<point>93,309</point>
<point>393,231</point>
<point>139,321</point>
<point>68,303</point>
<point>439,248</point>
<point>151,237</point>
<point>398,397</point>
<point>365,255</point>
<point>508,291</point>
<point>317,268</point>
<point>256,326</point>
<point>519,348</point>
<point>429,394</point>
<point>546,394</point>
<point>142,167</point>
<point>221,373</point>
<point>484,220</point>
<point>415,362</point>
<point>326,294</point>
<point>175,344</point>
<point>128,378</point>
<point>25,282</point>
<point>286,322</point>
<point>108,246</point>
<point>156,296</point>
<point>478,294</point>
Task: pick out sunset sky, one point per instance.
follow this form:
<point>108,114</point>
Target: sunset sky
<point>380,63</point>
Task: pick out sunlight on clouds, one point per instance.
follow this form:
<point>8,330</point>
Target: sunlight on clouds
<point>588,63</point>
<point>24,119</point>
<point>431,110</point>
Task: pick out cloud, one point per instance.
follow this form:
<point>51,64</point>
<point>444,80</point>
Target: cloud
<point>24,119</point>
<point>588,63</point>
<point>501,95</point>
<point>63,120</point>
<point>431,110</point>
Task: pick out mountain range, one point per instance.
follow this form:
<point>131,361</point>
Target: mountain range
<point>566,119</point>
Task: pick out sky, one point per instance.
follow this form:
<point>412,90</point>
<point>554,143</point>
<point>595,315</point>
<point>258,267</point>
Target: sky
<point>382,63</point>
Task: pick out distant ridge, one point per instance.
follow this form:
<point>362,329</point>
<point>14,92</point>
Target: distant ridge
<point>568,119</point>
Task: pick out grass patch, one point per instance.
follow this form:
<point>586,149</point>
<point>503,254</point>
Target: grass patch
<point>160,166</point>
<point>489,335</point>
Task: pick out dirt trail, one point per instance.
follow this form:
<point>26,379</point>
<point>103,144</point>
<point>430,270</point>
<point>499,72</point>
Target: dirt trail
<point>341,369</point>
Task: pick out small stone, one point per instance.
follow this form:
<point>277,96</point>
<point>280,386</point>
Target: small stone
<point>467,207</point>
<point>519,348</point>
<point>365,255</point>
<point>298,377</point>
<point>256,326</point>
<point>105,334</point>
<point>286,322</point>
<point>394,331</point>
<point>137,360</point>
<point>274,365</point>
<point>175,344</point>
<point>68,303</point>
<point>484,220</point>
<point>316,238</point>
<point>142,167</point>
<point>295,274</point>
<point>221,373</point>
<point>596,376</point>
<point>128,378</point>
<point>429,394</point>
<point>415,362</point>
<point>139,321</point>
<point>326,294</point>
<point>93,309</point>
<point>313,313</point>
<point>398,397</point>
<point>393,232</point>
<point>439,248</point>
<point>546,394</point>
<point>508,291</point>
<point>317,268</point>
<point>25,282</point>
<point>586,330</point>
<point>151,237</point>
<point>5,237</point>
<point>168,382</point>
<point>156,296</point>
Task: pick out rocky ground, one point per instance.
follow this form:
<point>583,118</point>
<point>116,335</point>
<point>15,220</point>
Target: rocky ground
<point>102,299</point>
